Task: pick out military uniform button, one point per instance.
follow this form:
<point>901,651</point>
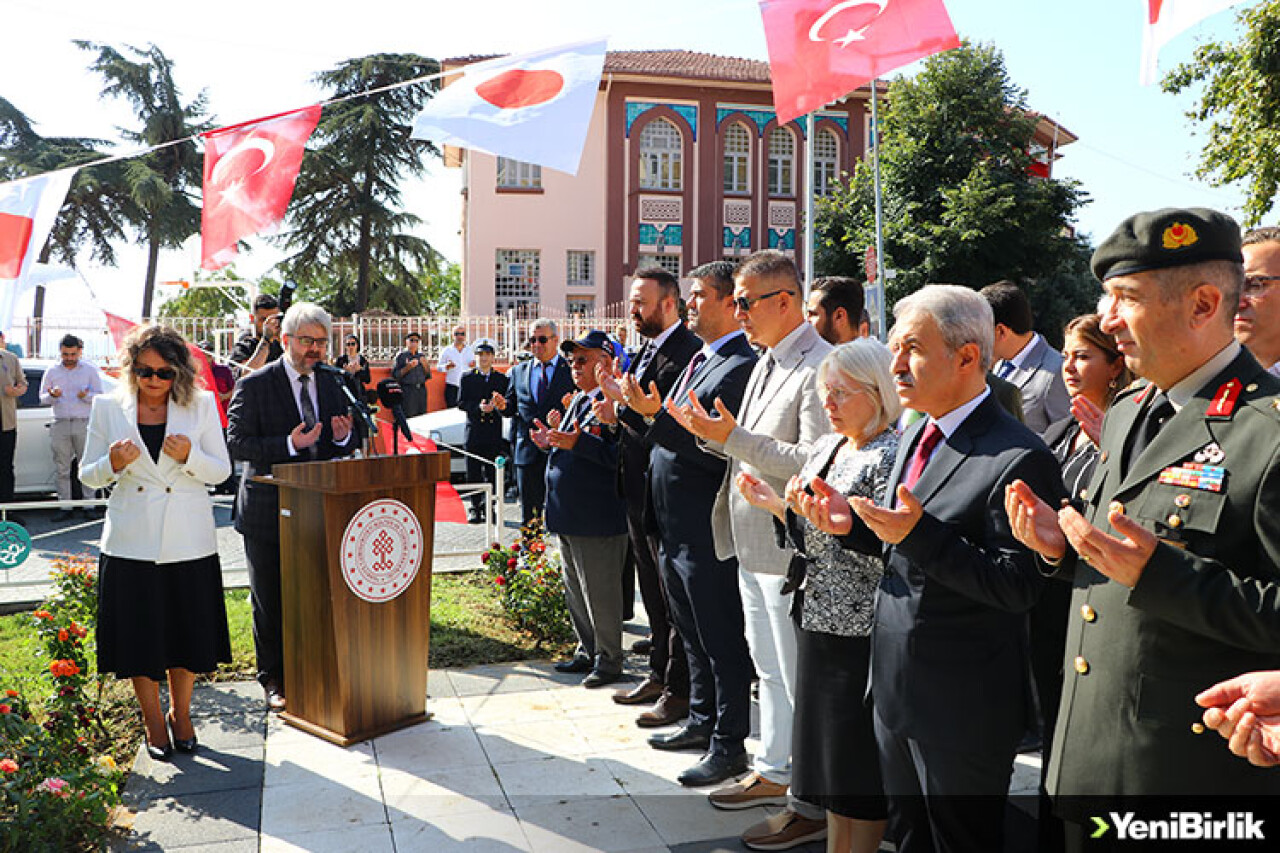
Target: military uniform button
<point>1197,728</point>
<point>1251,387</point>
<point>1116,506</point>
<point>1182,501</point>
<point>1088,614</point>
<point>1084,494</point>
<point>1104,453</point>
<point>1174,521</point>
<point>1082,665</point>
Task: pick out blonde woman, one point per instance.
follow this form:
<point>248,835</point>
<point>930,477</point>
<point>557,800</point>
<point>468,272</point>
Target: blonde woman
<point>157,440</point>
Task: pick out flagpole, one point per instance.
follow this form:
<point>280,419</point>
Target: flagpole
<point>810,232</point>
<point>875,144</point>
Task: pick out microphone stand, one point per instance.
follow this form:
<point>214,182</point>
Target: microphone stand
<point>354,404</point>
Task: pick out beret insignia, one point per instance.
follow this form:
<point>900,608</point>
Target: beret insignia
<point>1178,235</point>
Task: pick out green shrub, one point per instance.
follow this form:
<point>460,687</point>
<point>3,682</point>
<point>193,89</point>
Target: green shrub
<point>530,584</point>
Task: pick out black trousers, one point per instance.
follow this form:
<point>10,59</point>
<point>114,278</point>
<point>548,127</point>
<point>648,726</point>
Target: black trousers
<point>479,472</point>
<point>8,441</point>
<point>263,557</point>
<point>451,395</point>
<point>667,660</point>
<point>532,480</point>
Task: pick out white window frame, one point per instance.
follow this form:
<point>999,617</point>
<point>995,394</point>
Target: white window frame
<point>669,261</point>
<point>579,306</point>
<point>519,273</point>
<point>661,156</point>
<point>737,160</point>
<point>826,163</point>
<point>580,268</point>
<point>518,175</point>
<point>782,163</point>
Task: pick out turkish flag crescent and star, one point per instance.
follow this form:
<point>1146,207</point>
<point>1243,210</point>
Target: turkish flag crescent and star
<point>534,107</point>
<point>821,50</point>
<point>28,209</point>
<point>1165,21</point>
<point>249,173</point>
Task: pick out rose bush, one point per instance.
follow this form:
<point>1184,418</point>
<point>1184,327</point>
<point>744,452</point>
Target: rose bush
<point>530,586</point>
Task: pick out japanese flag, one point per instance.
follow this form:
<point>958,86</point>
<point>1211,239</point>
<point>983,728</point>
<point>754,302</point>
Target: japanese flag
<point>249,173</point>
<point>28,209</point>
<point>533,107</point>
<point>1168,19</point>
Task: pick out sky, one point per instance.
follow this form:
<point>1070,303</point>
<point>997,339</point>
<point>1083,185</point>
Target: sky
<point>1078,62</point>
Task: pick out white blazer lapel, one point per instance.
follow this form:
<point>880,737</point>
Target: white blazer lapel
<point>144,464</point>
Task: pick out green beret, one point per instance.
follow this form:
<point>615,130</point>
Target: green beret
<point>1172,237</point>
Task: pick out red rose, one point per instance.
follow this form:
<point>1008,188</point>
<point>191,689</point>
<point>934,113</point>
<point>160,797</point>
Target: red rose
<point>4,709</point>
<point>511,563</point>
<point>500,580</point>
<point>63,636</point>
<point>8,765</point>
<point>516,547</point>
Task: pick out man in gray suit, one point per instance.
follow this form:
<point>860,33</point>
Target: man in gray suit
<point>1025,359</point>
<point>781,416</point>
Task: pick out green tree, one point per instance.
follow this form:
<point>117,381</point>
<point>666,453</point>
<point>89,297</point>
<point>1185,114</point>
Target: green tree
<point>442,292</point>
<point>1240,103</point>
<point>349,239</point>
<point>960,205</point>
<point>161,184</point>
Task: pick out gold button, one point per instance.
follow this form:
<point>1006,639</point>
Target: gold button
<point>1183,501</point>
<point>1197,728</point>
<point>1084,494</point>
<point>1082,665</point>
<point>1088,614</point>
<point>1116,506</point>
<point>1173,521</point>
<point>1251,387</point>
<point>1104,453</point>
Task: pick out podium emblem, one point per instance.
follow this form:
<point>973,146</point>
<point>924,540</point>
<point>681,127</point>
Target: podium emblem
<point>381,550</point>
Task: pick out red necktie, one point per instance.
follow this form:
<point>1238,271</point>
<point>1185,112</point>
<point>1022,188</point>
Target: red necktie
<point>924,449</point>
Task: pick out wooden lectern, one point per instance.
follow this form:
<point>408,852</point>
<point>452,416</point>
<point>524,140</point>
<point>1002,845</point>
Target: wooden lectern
<point>356,668</point>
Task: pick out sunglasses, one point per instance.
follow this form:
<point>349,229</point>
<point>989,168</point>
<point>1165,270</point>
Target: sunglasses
<point>309,342</point>
<point>1255,285</point>
<point>580,360</point>
<point>539,339</point>
<point>459,334</point>
<point>142,371</point>
<point>746,303</point>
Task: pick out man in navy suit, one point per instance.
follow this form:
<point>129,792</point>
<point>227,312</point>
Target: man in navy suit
<point>949,656</point>
<point>702,590</point>
<point>537,388</point>
<point>655,313</point>
<point>284,412</point>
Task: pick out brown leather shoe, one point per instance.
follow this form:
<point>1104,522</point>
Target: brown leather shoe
<point>644,693</point>
<point>275,695</point>
<point>668,710</point>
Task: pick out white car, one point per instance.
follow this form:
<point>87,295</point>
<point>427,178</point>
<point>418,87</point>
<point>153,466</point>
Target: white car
<point>32,458</point>
<point>449,426</point>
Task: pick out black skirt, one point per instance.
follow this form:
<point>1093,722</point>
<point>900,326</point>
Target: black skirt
<point>834,760</point>
<point>152,618</point>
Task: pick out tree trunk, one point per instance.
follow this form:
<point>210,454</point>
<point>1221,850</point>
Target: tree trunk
<point>153,260</point>
<point>366,248</point>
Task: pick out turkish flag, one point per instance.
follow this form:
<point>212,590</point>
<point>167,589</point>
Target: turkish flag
<point>118,327</point>
<point>534,107</point>
<point>449,506</point>
<point>1166,20</point>
<point>821,50</point>
<point>249,173</point>
<point>28,209</point>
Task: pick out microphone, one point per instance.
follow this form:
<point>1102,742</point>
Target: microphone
<point>321,367</point>
<point>391,395</point>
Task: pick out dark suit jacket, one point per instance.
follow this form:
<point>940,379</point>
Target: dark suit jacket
<point>665,368</point>
<point>684,479</point>
<point>1206,608</point>
<point>523,410</point>
<point>484,429</point>
<point>949,660</point>
<point>581,496</point>
<point>263,412</point>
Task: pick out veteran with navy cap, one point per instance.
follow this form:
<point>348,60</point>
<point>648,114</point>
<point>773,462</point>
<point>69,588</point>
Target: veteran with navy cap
<point>1175,557</point>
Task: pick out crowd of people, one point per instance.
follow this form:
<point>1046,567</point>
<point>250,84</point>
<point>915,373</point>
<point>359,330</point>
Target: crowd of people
<point>927,555</point>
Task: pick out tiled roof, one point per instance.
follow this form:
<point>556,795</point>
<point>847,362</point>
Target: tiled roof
<point>666,63</point>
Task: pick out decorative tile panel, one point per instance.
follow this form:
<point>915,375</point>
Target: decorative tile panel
<point>661,235</point>
<point>737,213</point>
<point>688,112</point>
<point>782,239</point>
<point>661,209</point>
<point>737,239</point>
<point>782,216</point>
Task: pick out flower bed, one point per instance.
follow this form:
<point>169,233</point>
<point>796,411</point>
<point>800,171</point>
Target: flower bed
<point>530,585</point>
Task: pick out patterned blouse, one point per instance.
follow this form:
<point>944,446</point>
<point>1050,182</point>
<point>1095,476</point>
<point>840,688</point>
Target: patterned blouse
<point>840,585</point>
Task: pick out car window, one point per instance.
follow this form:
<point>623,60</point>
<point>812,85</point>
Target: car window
<point>31,399</point>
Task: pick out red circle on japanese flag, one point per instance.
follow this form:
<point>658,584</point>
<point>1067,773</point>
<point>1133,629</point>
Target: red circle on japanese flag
<point>381,550</point>
<point>518,88</point>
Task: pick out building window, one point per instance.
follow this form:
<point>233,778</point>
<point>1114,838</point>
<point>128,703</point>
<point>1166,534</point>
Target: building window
<point>515,174</point>
<point>670,263</point>
<point>737,159</point>
<point>582,269</point>
<point>515,278</point>
<point>580,306</point>
<point>826,162</point>
<point>782,161</point>
<point>660,152</point>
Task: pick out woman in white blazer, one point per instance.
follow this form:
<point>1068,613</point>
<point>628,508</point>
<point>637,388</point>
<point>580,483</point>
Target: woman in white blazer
<point>157,442</point>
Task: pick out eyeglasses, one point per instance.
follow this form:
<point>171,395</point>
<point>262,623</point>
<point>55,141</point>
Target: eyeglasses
<point>539,339</point>
<point>839,396</point>
<point>459,334</point>
<point>308,342</point>
<point>142,371</point>
<point>1256,285</point>
<point>746,303</point>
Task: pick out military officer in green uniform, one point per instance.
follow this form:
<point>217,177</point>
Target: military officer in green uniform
<point>1175,558</point>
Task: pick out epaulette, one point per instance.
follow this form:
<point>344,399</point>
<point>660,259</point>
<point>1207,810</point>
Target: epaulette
<point>1135,387</point>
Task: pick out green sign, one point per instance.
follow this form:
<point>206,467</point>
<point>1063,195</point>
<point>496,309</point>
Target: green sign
<point>15,545</point>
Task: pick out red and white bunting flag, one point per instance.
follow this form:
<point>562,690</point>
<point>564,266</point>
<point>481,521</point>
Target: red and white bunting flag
<point>535,107</point>
<point>118,327</point>
<point>821,50</point>
<point>1168,19</point>
<point>249,173</point>
<point>28,209</point>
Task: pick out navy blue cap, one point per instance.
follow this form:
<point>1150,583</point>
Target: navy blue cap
<point>594,339</point>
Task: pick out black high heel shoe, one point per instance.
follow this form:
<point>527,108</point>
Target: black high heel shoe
<point>187,746</point>
<point>159,753</point>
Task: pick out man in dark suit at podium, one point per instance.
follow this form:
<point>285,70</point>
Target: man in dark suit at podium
<point>482,395</point>
<point>284,412</point>
<point>538,386</point>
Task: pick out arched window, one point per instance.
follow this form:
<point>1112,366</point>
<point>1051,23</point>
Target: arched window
<point>660,150</point>
<point>782,161</point>
<point>737,159</point>
<point>826,161</point>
